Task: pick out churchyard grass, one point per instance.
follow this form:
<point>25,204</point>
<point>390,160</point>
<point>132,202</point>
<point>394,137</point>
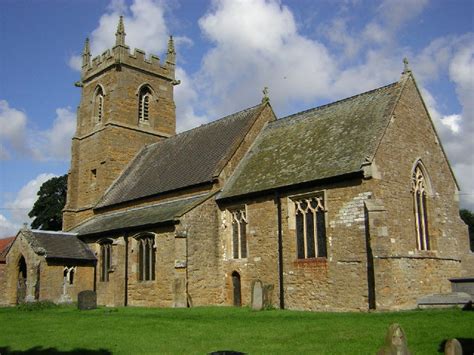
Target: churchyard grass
<point>202,330</point>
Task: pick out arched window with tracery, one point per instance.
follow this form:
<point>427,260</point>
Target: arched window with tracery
<point>144,101</point>
<point>98,105</point>
<point>420,193</point>
<point>146,258</point>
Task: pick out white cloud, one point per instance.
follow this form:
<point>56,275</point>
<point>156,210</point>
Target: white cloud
<point>256,44</point>
<point>12,133</point>
<point>7,228</point>
<point>55,143</point>
<point>17,138</point>
<point>186,98</point>
<point>22,204</point>
<point>145,28</point>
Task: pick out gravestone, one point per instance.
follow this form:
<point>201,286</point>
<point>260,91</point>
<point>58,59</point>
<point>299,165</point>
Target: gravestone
<point>395,342</point>
<point>453,347</point>
<point>257,295</point>
<point>86,300</point>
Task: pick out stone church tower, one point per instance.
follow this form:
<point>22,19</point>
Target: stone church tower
<point>126,103</point>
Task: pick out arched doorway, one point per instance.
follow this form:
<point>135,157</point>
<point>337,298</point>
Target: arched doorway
<point>236,289</point>
<point>21,284</point>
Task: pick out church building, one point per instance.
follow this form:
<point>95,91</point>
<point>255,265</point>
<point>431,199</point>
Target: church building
<point>348,206</point>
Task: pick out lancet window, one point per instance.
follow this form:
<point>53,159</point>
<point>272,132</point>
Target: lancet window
<point>105,260</point>
<point>98,105</point>
<point>419,188</point>
<point>239,234</point>
<point>146,258</point>
<point>144,101</point>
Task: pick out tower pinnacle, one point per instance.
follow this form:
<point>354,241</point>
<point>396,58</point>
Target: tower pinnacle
<point>86,54</point>
<point>120,34</point>
<point>171,55</point>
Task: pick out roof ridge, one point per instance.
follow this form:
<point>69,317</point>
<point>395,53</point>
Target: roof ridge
<point>317,108</point>
<point>52,232</point>
<point>181,134</point>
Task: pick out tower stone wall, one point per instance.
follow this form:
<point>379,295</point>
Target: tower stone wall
<point>111,124</point>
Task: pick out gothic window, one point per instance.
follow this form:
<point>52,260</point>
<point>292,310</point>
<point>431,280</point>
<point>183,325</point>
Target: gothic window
<point>239,234</point>
<point>98,105</point>
<point>105,260</point>
<point>144,101</point>
<point>68,274</point>
<point>146,258</point>
<point>419,188</point>
<point>310,216</point>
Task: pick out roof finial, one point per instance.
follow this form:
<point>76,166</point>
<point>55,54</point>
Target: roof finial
<point>120,34</point>
<point>406,68</point>
<point>265,97</point>
<point>86,53</point>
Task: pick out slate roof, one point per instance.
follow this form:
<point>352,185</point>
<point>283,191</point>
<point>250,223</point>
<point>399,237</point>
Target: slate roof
<point>58,245</point>
<point>324,142</point>
<point>190,158</point>
<point>5,245</point>
<point>141,216</point>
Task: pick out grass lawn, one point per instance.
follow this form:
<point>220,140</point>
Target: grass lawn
<point>203,330</point>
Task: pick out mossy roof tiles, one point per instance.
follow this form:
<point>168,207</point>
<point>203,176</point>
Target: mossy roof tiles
<point>187,159</point>
<point>319,143</point>
<point>139,217</point>
<point>58,245</point>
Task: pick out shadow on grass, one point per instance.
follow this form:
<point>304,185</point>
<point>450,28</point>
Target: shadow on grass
<point>467,345</point>
<point>43,351</point>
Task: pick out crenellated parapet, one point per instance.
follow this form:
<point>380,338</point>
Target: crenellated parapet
<point>120,55</point>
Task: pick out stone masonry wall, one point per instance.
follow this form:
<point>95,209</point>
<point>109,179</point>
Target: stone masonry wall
<point>47,276</point>
<point>203,272</point>
<point>404,273</point>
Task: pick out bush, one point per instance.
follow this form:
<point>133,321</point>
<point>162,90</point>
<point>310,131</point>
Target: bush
<point>37,306</point>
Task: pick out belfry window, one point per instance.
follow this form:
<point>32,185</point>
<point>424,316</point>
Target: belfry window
<point>310,218</point>
<point>239,234</point>
<point>98,105</point>
<point>146,258</point>
<point>105,260</point>
<point>420,207</point>
<point>144,101</point>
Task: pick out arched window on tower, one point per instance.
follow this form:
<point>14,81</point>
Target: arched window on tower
<point>144,100</point>
<point>420,194</point>
<point>98,113</point>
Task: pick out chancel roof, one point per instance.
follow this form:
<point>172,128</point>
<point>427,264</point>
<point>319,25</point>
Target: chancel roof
<point>5,245</point>
<point>160,213</point>
<point>58,245</point>
<point>190,158</point>
<point>324,142</point>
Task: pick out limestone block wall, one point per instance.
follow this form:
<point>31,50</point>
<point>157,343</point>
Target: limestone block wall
<point>261,262</point>
<point>3,281</point>
<point>204,276</point>
<point>21,248</point>
<point>45,279</point>
<point>339,281</point>
<point>400,267</point>
<point>159,292</point>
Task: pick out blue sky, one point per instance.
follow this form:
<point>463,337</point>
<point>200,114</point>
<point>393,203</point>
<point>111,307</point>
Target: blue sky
<point>307,52</point>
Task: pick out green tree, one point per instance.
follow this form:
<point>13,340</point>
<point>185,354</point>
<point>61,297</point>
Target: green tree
<point>468,218</point>
<point>47,209</point>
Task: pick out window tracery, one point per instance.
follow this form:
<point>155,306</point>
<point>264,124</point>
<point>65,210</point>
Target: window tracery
<point>310,227</point>
<point>146,258</point>
<point>419,189</point>
<point>239,234</point>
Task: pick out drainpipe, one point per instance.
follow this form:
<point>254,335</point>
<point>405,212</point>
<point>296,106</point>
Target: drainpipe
<point>95,275</point>
<point>125,302</point>
<point>280,251</point>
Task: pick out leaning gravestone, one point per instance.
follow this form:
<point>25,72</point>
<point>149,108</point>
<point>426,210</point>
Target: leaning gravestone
<point>395,342</point>
<point>453,347</point>
<point>87,300</point>
<point>257,295</point>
